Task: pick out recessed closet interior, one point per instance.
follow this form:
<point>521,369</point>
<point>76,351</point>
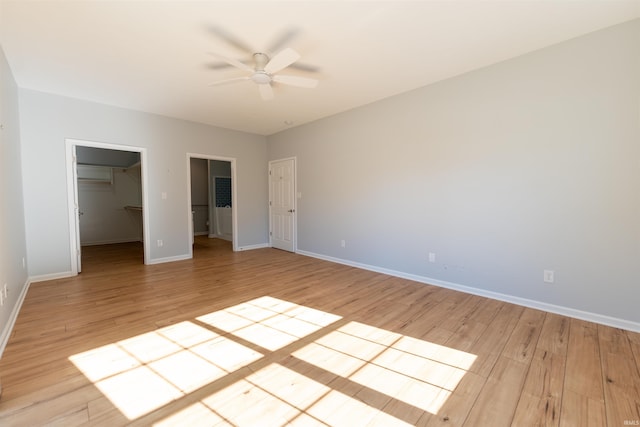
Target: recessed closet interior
<point>109,196</point>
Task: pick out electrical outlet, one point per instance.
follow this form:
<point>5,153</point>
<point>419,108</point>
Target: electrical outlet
<point>5,291</point>
<point>432,257</point>
<point>24,263</point>
<point>343,244</point>
<point>160,243</point>
<point>548,276</point>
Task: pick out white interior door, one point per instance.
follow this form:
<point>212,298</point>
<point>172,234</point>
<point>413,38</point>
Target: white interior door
<point>76,205</point>
<point>282,212</point>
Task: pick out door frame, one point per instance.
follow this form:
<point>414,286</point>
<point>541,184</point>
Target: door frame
<point>234,196</point>
<point>74,234</point>
<point>295,202</point>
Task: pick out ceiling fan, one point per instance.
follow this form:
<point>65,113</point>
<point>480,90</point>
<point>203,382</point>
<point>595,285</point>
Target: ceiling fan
<point>265,72</point>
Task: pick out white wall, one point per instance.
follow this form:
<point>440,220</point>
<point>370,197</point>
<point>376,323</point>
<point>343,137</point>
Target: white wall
<point>526,165</point>
<point>46,120</point>
<point>104,218</point>
<point>12,228</point>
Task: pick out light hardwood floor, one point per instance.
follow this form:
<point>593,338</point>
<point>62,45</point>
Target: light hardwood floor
<point>266,337</point>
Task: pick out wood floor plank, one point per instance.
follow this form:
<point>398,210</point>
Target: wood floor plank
<point>466,335</point>
<point>542,391</point>
<point>583,394</point>
<point>541,397</point>
<point>490,344</point>
<point>621,378</point>
<point>456,408</point>
<point>499,397</point>
<point>584,373</point>
<point>460,312</point>
<point>580,410</point>
<point>554,337</point>
<point>634,340</point>
<point>67,406</point>
<point>307,342</point>
<point>524,338</point>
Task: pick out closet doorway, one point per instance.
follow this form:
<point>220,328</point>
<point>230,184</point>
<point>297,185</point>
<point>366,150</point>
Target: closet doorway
<point>106,197</point>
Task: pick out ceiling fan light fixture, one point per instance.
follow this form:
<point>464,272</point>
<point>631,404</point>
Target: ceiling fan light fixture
<point>261,78</point>
<point>266,72</point>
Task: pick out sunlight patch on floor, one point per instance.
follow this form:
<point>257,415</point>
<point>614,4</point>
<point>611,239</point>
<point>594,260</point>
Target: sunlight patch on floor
<point>197,414</point>
<point>291,398</point>
<point>347,373</point>
<point>141,374</point>
<point>269,322</point>
<point>390,365</point>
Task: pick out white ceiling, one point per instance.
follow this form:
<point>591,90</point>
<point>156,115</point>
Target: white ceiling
<point>153,55</point>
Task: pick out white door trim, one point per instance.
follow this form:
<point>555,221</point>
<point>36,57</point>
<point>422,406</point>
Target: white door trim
<point>77,248</point>
<point>295,202</point>
<point>74,237</point>
<point>234,197</point>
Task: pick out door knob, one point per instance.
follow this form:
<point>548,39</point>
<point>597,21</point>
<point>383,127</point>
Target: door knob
<point>292,210</point>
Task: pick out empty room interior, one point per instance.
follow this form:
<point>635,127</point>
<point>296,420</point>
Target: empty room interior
<point>196,200</point>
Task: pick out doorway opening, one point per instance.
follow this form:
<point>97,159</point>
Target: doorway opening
<point>106,198</point>
<point>211,202</point>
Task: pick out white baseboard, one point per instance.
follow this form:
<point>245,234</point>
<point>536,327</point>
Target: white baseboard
<point>6,332</point>
<point>169,259</point>
<point>565,311</point>
<point>51,276</point>
<point>251,247</point>
<point>109,242</point>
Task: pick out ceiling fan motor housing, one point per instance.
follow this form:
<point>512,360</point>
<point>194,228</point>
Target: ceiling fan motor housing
<point>261,77</point>
<point>261,60</point>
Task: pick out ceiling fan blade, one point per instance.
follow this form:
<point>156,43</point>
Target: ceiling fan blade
<point>230,38</point>
<point>227,81</point>
<point>266,91</point>
<point>305,67</point>
<point>283,39</point>
<point>282,60</point>
<point>233,62</point>
<point>296,81</point>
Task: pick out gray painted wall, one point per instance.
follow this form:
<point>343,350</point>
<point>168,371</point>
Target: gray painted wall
<point>526,165</point>
<point>46,120</point>
<point>12,224</point>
